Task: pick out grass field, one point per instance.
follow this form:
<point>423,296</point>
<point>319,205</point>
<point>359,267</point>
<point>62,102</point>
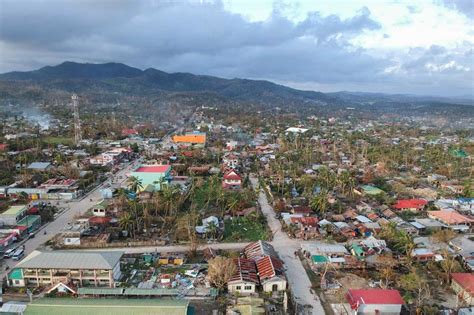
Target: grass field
<point>244,229</point>
<point>59,140</point>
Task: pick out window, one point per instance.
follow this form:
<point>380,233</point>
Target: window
<point>17,281</point>
<point>248,287</point>
<point>238,287</point>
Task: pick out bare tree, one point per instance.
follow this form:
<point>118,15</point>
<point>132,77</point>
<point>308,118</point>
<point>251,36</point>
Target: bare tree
<point>221,270</point>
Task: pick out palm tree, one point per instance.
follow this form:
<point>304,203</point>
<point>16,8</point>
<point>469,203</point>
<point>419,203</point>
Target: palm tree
<point>170,196</point>
<point>212,229</point>
<point>126,222</point>
<point>134,184</point>
<point>121,199</point>
<point>320,202</point>
<point>233,203</point>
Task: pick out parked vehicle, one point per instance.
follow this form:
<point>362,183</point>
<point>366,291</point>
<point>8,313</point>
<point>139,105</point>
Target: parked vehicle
<point>9,253</point>
<point>19,253</point>
<point>31,235</point>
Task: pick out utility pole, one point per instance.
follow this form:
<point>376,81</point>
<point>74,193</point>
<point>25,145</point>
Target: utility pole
<point>77,120</point>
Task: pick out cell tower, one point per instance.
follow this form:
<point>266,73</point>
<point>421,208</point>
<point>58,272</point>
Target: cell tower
<point>77,120</point>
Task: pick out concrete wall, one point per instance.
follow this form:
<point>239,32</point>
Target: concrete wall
<point>241,287</point>
<point>386,309</point>
<point>268,286</point>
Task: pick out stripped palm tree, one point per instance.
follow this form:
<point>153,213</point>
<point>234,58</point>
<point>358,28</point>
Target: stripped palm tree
<point>134,184</point>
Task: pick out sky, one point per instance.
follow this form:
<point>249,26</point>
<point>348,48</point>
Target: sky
<point>420,47</point>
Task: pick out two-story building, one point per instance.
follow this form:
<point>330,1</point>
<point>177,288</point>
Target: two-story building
<point>155,175</point>
<point>232,180</point>
<point>81,268</point>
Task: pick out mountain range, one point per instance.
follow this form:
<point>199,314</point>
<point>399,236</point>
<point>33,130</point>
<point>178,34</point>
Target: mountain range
<point>120,78</point>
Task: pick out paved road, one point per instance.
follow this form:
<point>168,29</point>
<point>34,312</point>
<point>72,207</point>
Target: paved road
<point>285,246</point>
<point>170,248</point>
<point>73,208</point>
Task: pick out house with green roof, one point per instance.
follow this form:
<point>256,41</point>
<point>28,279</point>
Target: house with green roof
<point>371,190</point>
<point>13,214</point>
<point>458,153</point>
<point>100,208</point>
<point>15,277</point>
<point>30,222</point>
<point>60,306</point>
<point>357,251</point>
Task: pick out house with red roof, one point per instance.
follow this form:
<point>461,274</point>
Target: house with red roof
<point>3,146</point>
<point>463,285</point>
<point>375,301</point>
<point>453,219</point>
<point>245,278</point>
<point>271,273</point>
<point>413,205</point>
<point>232,180</point>
<point>129,132</point>
<point>155,175</point>
<point>303,210</point>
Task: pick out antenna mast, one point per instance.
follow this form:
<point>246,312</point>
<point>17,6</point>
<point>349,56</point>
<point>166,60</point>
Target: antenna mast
<point>77,120</point>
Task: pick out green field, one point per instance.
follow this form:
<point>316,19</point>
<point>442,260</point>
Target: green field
<point>244,229</point>
<point>59,140</point>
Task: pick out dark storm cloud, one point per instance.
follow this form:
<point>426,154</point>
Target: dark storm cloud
<point>185,36</point>
<point>197,37</point>
<point>466,7</point>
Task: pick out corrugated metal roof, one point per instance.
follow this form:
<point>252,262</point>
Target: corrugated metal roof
<point>258,249</point>
<point>50,306</point>
<point>71,260</point>
<point>14,210</point>
<point>269,267</point>
<point>246,271</point>
<point>100,291</point>
<point>144,292</point>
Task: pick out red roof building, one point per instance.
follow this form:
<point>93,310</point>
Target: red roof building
<point>153,169</point>
<point>410,204</point>
<point>451,218</point>
<point>245,278</point>
<point>375,301</point>
<point>3,146</point>
<point>271,273</point>
<point>232,180</point>
<point>129,132</point>
<point>99,220</point>
<point>463,285</point>
<point>304,210</point>
<point>269,267</point>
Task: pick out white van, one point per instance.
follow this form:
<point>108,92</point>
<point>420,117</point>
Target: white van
<point>18,254</point>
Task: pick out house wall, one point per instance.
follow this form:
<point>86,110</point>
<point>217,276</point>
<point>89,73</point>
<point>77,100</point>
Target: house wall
<point>98,212</point>
<point>384,309</point>
<point>461,293</point>
<point>72,241</point>
<point>83,277</point>
<point>268,286</point>
<point>17,283</point>
<point>241,287</point>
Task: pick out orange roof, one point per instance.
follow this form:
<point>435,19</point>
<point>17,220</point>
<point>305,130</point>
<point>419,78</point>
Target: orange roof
<point>190,138</point>
<point>465,280</point>
<point>450,217</point>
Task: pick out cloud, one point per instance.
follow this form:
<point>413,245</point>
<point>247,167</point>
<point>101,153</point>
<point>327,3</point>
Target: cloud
<point>205,38</point>
<point>466,7</point>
